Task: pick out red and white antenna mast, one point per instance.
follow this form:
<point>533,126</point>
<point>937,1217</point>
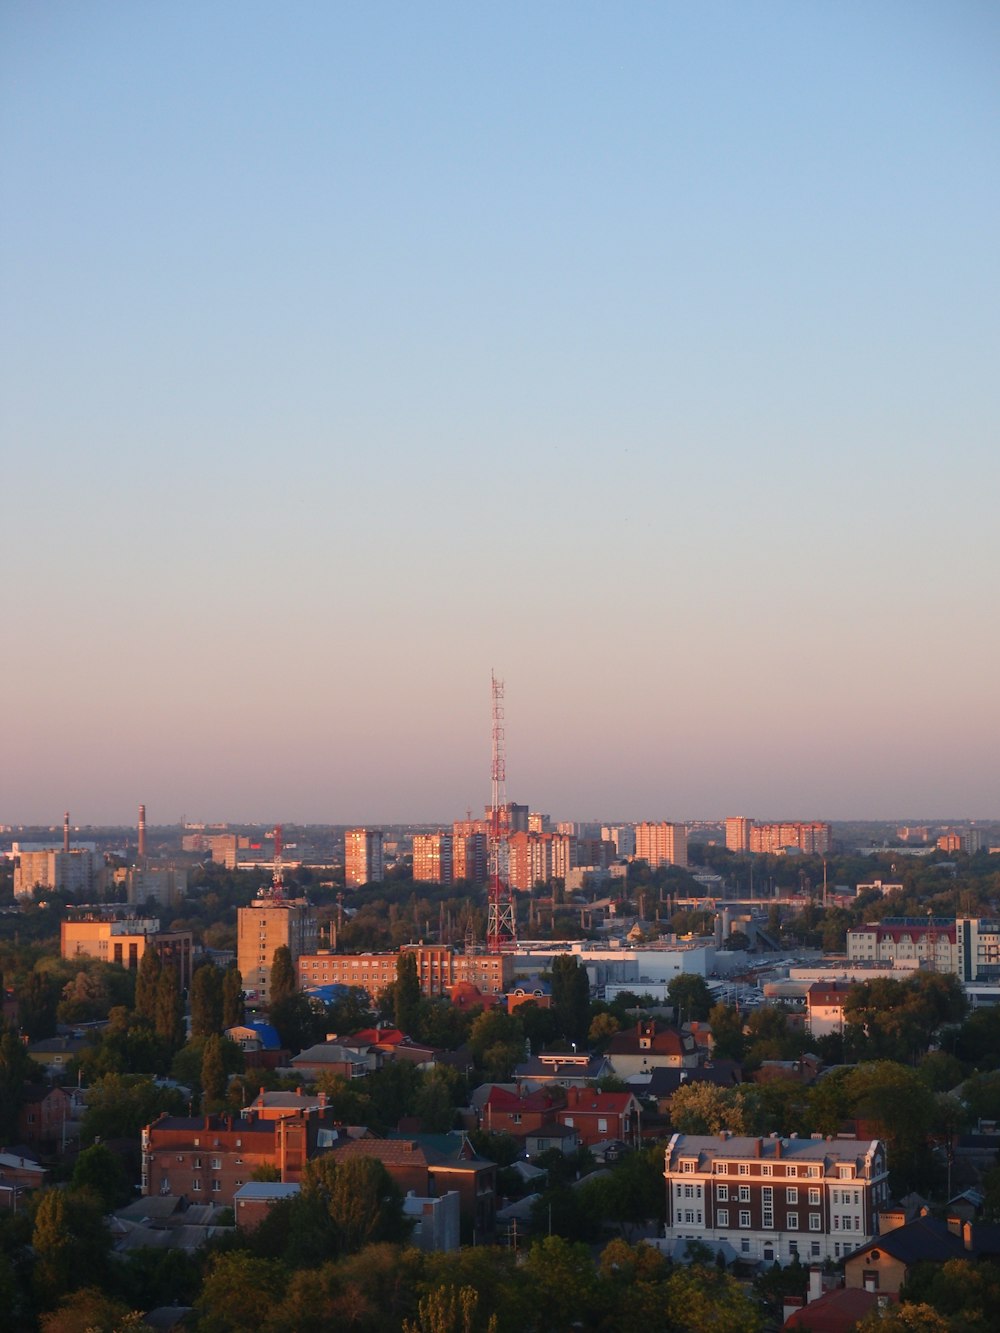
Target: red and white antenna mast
<point>278,875</point>
<point>501,925</point>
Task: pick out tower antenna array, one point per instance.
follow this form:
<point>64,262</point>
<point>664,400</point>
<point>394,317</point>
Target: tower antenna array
<point>278,874</point>
<point>501,926</point>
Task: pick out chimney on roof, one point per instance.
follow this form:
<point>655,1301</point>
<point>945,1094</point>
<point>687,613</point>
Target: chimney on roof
<point>777,1149</point>
<point>756,1147</point>
<point>815,1283</point>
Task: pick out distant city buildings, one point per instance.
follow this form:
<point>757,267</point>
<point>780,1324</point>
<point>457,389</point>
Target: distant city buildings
<point>439,968</point>
<point>812,839</point>
<point>539,857</point>
<point>433,857</point>
<point>364,861</point>
<point>738,833</point>
<point>661,844</point>
<point>76,871</point>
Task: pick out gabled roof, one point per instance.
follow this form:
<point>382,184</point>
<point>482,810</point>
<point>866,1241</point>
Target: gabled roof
<point>836,1311</point>
<point>923,1238</point>
<point>660,1041</point>
<point>541,1100</point>
<point>665,1082</point>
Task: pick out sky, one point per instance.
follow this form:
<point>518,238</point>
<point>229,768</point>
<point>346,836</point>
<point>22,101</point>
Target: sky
<point>645,354</point>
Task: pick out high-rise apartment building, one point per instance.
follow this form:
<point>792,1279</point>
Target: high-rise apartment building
<point>661,844</point>
<point>266,925</point>
<point>623,837</point>
<point>75,871</point>
<point>538,858</point>
<point>813,838</point>
<point>469,852</point>
<point>738,833</point>
<point>539,823</point>
<point>363,858</point>
<point>433,857</point>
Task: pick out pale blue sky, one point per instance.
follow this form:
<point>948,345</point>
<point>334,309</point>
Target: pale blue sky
<point>646,353</point>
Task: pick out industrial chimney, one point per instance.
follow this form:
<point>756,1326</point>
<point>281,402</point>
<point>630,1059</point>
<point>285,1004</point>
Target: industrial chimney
<point>66,831</point>
<point>142,833</point>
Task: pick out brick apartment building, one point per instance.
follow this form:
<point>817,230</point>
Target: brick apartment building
<point>438,968</point>
<point>206,1159</point>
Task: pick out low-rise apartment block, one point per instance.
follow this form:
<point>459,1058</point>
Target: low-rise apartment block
<point>930,940</point>
<point>439,967</point>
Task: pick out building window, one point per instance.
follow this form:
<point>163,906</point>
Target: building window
<point>767,1169</point>
<point>602,1126</point>
<point>744,1194</point>
<point>767,1206</point>
<point>689,1191</point>
<point>722,1217</point>
<point>197,1161</point>
<point>814,1249</point>
<point>216,1163</point>
<point>814,1172</point>
<point>814,1197</point>
<point>793,1247</point>
<point>792,1222</point>
<point>815,1224</point>
<point>745,1244</point>
<point>791,1171</point>
<point>721,1168</point>
<point>844,1172</point>
<point>722,1193</point>
<point>791,1194</point>
<point>196,1185</point>
<point>687,1168</point>
<point>745,1218</point>
<point>744,1168</point>
<point>216,1186</point>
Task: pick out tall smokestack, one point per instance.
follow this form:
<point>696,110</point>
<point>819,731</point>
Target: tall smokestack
<point>142,833</point>
<point>66,831</point>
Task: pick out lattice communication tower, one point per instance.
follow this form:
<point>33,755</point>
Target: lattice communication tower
<point>501,924</point>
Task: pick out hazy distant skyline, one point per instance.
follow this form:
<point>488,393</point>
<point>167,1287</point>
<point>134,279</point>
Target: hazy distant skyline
<point>645,354</point>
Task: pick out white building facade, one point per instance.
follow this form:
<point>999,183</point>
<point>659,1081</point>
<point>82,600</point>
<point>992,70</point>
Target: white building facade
<point>773,1199</point>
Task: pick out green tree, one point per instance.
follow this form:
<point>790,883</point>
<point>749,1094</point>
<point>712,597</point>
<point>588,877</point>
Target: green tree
<point>89,1310</point>
<point>283,983</point>
<point>562,1284</point>
<point>146,982</point>
<point>571,997</point>
<point>363,1201</point>
<point>16,1071</point>
<point>233,1012</point>
<point>240,1292</point>
<point>727,1032</point>
<point>690,996</point>
<point>206,1001</point>
<point>100,1170</point>
<point>406,993</point>
<point>711,1301</point>
<point>707,1108</point>
<point>213,1075</point>
<point>71,1243</point>
<point>169,1021</point>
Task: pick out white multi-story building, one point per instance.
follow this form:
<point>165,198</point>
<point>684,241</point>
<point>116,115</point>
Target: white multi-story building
<point>895,939</point>
<point>738,833</point>
<point>977,949</point>
<point>775,1199</point>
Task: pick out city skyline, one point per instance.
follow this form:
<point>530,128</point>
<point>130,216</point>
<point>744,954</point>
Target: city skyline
<point>646,356</point>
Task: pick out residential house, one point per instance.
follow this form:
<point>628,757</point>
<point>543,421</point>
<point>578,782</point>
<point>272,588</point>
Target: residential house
<point>567,1068</point>
<point>599,1116</point>
<point>883,1264</point>
<point>649,1046</point>
<point>430,1165</point>
<point>518,1113</point>
<point>44,1115</point>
